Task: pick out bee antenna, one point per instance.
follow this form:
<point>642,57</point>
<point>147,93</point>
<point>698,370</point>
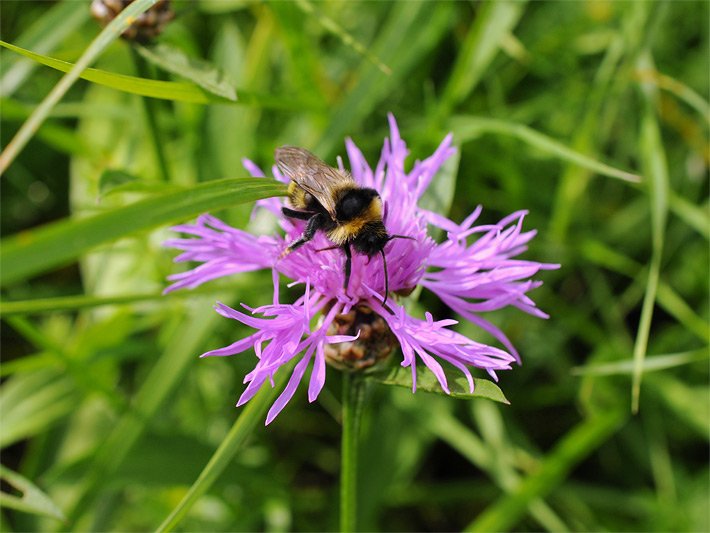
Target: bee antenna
<point>392,237</point>
<point>387,281</point>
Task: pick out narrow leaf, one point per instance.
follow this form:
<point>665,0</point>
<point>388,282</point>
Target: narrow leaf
<point>165,90</point>
<point>467,128</point>
<point>575,446</point>
<point>200,72</point>
<point>650,364</point>
<point>341,33</point>
<point>427,382</point>
<point>62,19</point>
<point>251,415</point>
<point>654,160</point>
<point>429,21</point>
<point>97,46</point>
<point>493,22</point>
<point>32,501</point>
<point>56,244</point>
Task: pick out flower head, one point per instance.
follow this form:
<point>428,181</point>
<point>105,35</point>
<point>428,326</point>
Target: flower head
<point>473,270</point>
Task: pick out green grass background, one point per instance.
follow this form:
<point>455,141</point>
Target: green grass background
<point>105,408</point>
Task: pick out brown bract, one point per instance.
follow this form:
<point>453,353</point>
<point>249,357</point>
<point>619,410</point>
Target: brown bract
<point>373,345</point>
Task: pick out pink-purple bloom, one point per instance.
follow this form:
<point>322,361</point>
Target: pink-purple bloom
<point>473,270</point>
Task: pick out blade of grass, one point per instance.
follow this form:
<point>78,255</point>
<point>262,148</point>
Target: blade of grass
<point>603,255</point>
<point>199,72</point>
<point>654,162</point>
<point>111,32</point>
<point>75,303</point>
<point>462,439</point>
<point>33,500</point>
<point>493,22</point>
<point>62,19</point>
<point>650,364</point>
<point>166,90</point>
<point>677,88</point>
<point>35,251</point>
<point>395,47</point>
<point>180,351</point>
<point>697,217</point>
<point>574,446</point>
<point>254,412</point>
<point>150,110</point>
<point>466,128</point>
<point>336,29</point>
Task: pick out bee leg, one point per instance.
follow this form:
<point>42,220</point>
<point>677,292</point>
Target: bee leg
<point>300,215</point>
<point>315,222</point>
<point>348,265</point>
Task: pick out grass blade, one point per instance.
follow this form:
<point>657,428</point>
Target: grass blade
<point>33,500</point>
<point>654,161</point>
<point>395,47</point>
<point>466,128</point>
<point>61,20</point>
<point>253,413</point>
<point>492,23</point>
<point>575,446</point>
<point>336,29</point>
<point>98,45</point>
<point>56,244</point>
<point>650,364</point>
<point>165,90</point>
<point>199,72</point>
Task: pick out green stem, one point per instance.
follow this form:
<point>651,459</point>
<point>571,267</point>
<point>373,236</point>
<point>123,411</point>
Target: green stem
<point>150,106</point>
<point>353,400</point>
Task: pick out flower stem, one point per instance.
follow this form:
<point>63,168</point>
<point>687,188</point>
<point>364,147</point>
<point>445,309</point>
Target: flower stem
<point>151,114</point>
<point>353,401</point>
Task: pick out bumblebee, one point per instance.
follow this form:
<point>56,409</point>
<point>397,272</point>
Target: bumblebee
<point>330,201</point>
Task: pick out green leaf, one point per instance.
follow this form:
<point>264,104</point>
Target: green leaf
<point>584,438</point>
<point>116,181</point>
<point>252,413</point>
<point>56,244</point>
<point>429,22</point>
<point>62,19</point>
<point>332,27</point>
<point>653,157</point>
<point>33,402</point>
<point>650,364</point>
<point>493,22</point>
<point>111,32</point>
<point>427,382</point>
<point>166,90</point>
<point>33,500</point>
<point>467,128</point>
<point>200,72</point>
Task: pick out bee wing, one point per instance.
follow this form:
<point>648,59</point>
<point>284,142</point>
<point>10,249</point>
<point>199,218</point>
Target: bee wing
<point>313,175</point>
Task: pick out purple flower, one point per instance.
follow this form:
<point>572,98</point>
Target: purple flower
<point>474,270</point>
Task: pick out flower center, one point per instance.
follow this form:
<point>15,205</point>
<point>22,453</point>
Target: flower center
<point>374,344</point>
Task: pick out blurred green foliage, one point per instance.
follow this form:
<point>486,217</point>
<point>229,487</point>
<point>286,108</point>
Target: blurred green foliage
<point>108,416</point>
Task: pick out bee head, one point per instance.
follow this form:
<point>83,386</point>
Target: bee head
<point>371,239</point>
